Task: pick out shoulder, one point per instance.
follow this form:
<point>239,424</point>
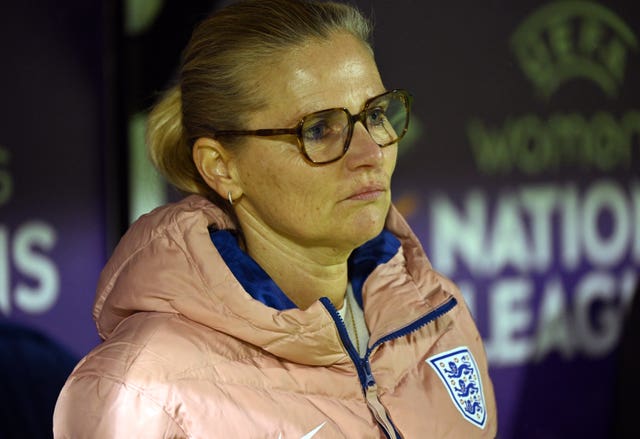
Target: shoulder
<point>147,376</point>
<point>178,218</point>
<point>152,347</point>
<point>94,406</point>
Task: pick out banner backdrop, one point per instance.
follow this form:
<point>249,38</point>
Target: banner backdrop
<point>522,180</point>
<point>52,167</point>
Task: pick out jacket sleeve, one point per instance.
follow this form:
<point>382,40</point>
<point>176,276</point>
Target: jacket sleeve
<point>98,407</point>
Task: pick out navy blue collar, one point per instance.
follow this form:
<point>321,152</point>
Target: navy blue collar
<point>261,287</point>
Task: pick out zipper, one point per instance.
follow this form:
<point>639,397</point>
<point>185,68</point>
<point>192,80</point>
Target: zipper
<point>422,321</point>
<point>363,366</point>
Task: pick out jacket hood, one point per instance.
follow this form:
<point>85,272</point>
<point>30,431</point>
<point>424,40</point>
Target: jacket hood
<point>166,262</point>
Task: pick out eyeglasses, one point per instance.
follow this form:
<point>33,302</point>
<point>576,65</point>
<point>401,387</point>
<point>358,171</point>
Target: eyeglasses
<point>324,136</point>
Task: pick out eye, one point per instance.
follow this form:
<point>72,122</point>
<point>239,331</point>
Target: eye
<point>316,130</point>
<point>324,126</point>
<point>376,116</point>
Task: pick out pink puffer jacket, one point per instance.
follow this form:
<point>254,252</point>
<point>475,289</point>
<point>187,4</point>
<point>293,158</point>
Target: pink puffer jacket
<point>189,353</point>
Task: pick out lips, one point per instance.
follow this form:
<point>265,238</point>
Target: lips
<point>369,191</point>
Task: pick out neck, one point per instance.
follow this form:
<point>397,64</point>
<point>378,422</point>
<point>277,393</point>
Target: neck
<point>303,273</point>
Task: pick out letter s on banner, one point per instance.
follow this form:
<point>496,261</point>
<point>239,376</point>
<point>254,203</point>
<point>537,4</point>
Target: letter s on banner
<point>39,299</point>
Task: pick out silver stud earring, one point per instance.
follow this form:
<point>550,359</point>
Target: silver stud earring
<point>229,198</point>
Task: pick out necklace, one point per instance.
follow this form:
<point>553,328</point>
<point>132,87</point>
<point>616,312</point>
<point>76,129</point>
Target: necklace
<point>352,321</point>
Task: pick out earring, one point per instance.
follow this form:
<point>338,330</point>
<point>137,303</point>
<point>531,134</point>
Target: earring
<point>229,198</point>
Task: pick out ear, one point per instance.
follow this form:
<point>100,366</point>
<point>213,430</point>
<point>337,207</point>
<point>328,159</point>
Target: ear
<point>215,165</point>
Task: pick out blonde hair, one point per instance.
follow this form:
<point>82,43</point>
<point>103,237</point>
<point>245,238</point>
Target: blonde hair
<point>220,72</point>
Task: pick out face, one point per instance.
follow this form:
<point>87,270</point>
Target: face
<point>337,206</point>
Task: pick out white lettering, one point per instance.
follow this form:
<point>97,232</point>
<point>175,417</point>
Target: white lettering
<point>554,258</point>
<point>569,219</point>
<point>601,250</point>
<point>508,238</point>
<point>539,203</point>
<point>509,307</point>
<point>41,298</point>
<point>595,294</point>
<point>459,234</point>
<point>554,327</point>
<point>600,229</point>
<point>5,286</point>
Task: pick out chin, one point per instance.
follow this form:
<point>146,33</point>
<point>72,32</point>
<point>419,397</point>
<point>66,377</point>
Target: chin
<point>365,228</point>
<point>362,224</point>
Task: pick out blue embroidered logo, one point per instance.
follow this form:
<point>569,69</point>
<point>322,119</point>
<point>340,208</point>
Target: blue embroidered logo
<point>459,372</point>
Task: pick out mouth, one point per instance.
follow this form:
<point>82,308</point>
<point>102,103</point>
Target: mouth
<point>369,192</point>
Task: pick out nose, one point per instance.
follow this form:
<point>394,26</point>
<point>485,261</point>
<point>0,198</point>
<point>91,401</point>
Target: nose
<point>363,150</point>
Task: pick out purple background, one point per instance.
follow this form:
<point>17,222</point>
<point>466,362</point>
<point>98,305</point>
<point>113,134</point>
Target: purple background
<point>52,127</point>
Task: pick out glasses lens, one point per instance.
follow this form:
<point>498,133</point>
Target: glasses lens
<point>324,133</point>
<point>387,118</point>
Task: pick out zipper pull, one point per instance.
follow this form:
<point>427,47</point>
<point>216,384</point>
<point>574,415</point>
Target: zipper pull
<point>366,366</point>
<point>379,412</point>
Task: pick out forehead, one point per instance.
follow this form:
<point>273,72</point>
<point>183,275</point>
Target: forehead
<point>320,74</point>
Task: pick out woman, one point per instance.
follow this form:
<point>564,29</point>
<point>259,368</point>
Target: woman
<point>287,299</point>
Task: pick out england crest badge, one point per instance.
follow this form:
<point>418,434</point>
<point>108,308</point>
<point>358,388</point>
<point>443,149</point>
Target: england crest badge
<point>460,374</point>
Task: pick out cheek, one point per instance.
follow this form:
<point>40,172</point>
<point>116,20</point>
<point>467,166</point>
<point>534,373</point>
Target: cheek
<point>283,180</point>
<point>391,157</point>
<point>259,169</point>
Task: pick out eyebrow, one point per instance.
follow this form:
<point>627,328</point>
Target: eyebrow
<point>294,121</point>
